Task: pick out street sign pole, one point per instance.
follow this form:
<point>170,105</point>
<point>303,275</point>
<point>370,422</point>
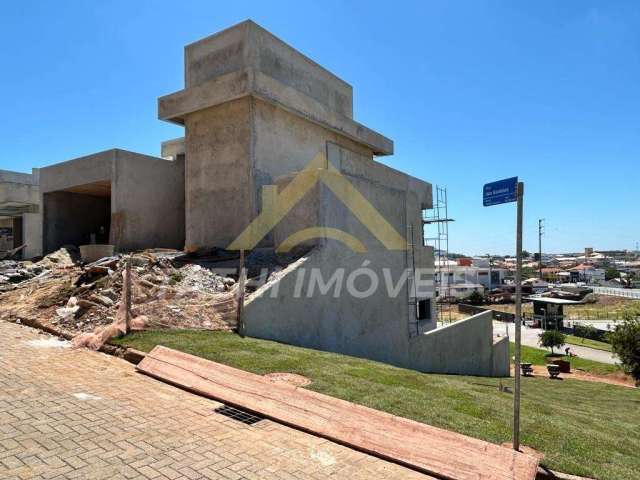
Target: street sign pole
<point>509,190</point>
<point>518,320</point>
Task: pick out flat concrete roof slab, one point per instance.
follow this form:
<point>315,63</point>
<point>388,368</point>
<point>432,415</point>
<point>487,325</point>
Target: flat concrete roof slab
<point>247,60</point>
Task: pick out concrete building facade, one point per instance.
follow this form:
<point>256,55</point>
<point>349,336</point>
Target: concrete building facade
<point>460,281</point>
<point>254,109</point>
<point>20,214</point>
<point>117,197</point>
<point>258,117</point>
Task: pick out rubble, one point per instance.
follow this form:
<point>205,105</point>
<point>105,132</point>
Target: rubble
<point>169,290</point>
<point>61,292</point>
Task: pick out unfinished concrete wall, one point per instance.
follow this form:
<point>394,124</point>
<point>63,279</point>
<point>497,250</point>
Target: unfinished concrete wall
<point>501,361</point>
<point>218,175</point>
<point>20,202</point>
<point>377,326</point>
<point>247,46</point>
<point>286,143</point>
<point>32,226</point>
<point>173,149</point>
<point>373,327</point>
<point>17,194</point>
<point>246,60</point>
<point>85,170</point>
<point>439,351</point>
<point>147,202</point>
<point>232,151</point>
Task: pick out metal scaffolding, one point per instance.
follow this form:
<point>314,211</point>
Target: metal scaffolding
<point>436,234</point>
<point>414,324</point>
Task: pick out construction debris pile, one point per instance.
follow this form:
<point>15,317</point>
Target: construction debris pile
<point>14,274</point>
<point>59,292</point>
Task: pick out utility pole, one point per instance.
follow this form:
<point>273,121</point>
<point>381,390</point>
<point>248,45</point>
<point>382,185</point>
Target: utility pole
<point>518,320</point>
<point>540,233</point>
<point>490,277</point>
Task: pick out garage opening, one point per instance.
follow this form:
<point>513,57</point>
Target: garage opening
<point>78,215</point>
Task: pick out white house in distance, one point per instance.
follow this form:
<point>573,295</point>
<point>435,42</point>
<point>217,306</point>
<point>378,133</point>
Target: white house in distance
<point>588,273</point>
<point>467,275</point>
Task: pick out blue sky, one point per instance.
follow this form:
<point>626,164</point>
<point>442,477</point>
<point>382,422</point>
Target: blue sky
<point>470,92</point>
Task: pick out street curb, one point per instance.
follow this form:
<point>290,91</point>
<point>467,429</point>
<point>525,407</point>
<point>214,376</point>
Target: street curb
<point>106,348</point>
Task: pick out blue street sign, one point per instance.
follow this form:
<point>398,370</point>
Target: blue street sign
<point>502,191</point>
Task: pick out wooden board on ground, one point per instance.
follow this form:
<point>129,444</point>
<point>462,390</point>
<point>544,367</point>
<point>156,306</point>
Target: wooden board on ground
<point>434,451</point>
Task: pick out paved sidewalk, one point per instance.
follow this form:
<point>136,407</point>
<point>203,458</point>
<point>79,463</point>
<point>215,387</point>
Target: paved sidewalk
<point>530,338</point>
<point>76,414</point>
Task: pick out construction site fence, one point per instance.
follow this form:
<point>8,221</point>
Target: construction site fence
<point>618,292</point>
<point>596,316</point>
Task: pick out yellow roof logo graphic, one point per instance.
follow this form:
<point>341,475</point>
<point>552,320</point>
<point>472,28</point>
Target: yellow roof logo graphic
<point>275,206</point>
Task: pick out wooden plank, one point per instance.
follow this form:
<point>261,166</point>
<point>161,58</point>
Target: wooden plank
<point>437,452</point>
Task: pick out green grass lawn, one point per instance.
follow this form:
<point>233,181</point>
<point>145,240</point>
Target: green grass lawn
<point>537,356</point>
<point>584,428</point>
<point>587,342</point>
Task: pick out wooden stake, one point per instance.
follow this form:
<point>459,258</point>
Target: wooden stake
<point>127,295</point>
<point>241,282</point>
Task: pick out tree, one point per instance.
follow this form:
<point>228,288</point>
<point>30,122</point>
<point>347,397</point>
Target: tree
<point>536,257</point>
<point>551,339</point>
<point>525,254</point>
<point>611,273</point>
<point>625,342</point>
<point>475,298</point>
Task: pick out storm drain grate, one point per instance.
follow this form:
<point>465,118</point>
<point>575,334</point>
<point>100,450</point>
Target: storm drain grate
<point>238,415</point>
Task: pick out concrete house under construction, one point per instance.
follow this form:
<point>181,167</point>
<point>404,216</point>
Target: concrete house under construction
<point>258,115</point>
<point>273,159</point>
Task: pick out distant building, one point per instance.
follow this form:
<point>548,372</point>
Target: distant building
<point>550,274</point>
<point>587,273</point>
<point>459,290</point>
<point>460,279</point>
<point>537,285</point>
